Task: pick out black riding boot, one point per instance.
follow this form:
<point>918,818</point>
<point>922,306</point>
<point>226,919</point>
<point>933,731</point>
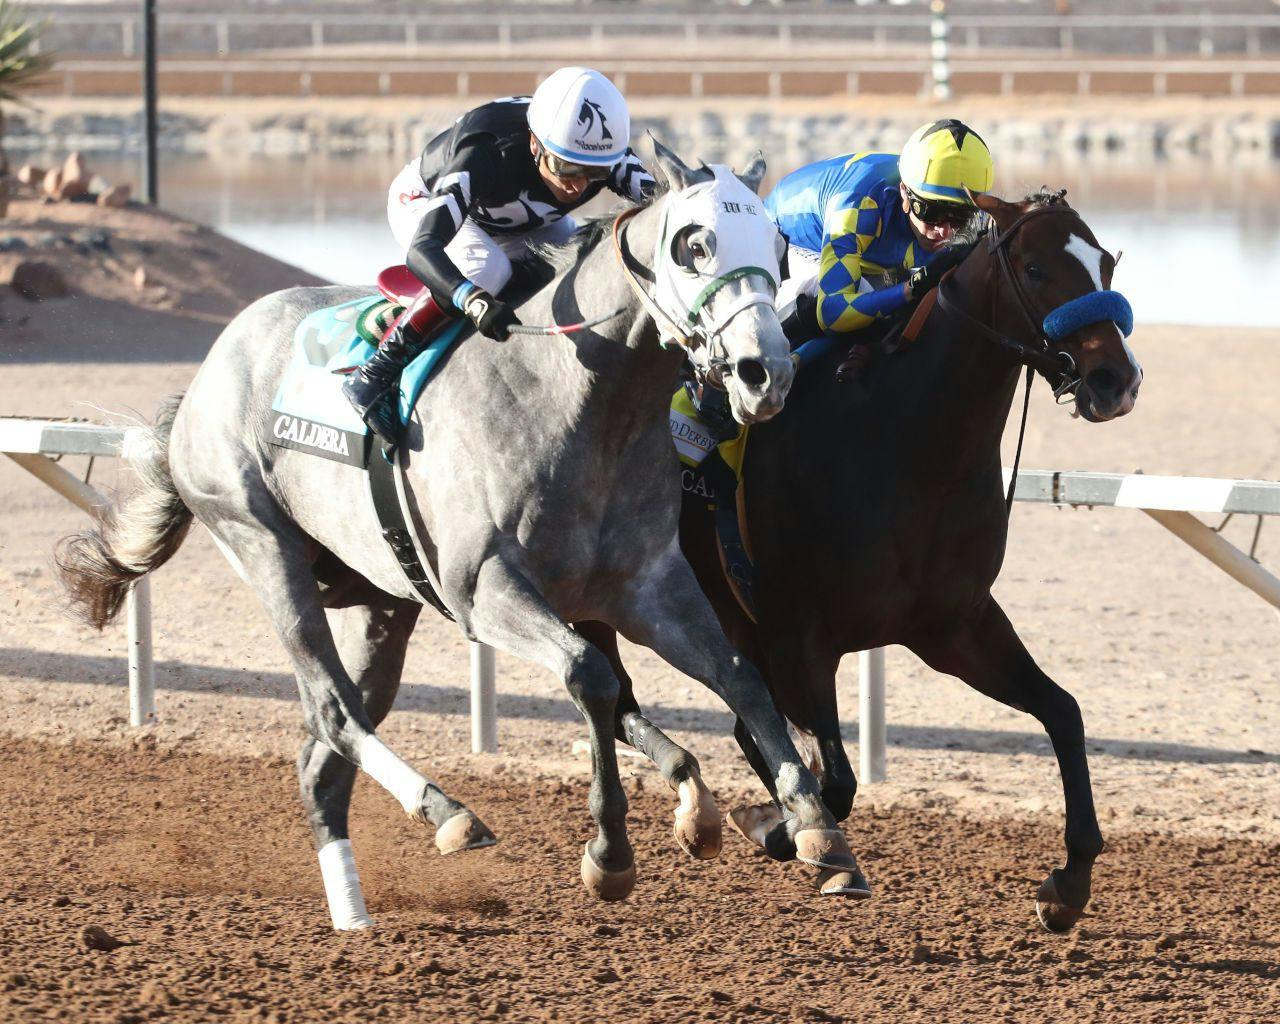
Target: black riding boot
<point>373,386</point>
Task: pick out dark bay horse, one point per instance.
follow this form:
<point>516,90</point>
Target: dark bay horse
<point>876,515</point>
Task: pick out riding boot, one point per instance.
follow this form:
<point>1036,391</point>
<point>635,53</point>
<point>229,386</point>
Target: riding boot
<point>372,388</point>
<point>854,362</point>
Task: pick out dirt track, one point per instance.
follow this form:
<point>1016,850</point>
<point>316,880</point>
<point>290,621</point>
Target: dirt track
<point>216,883</point>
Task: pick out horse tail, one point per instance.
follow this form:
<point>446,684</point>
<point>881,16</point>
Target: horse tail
<point>133,535</point>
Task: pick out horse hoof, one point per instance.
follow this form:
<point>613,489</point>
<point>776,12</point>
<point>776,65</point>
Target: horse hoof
<point>824,848</point>
<point>464,831</point>
<point>1055,915</point>
<point>755,822</point>
<point>609,886</point>
<point>853,884</point>
<point>697,827</point>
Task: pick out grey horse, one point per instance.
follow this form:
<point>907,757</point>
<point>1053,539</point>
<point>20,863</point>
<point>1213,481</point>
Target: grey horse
<point>547,488</point>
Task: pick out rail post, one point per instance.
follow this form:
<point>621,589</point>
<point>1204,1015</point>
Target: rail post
<point>484,701</point>
<point>142,671</point>
<point>871,718</point>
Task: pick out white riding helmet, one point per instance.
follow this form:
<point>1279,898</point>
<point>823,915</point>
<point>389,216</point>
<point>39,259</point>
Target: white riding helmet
<point>579,116</point>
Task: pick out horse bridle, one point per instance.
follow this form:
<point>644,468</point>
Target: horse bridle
<point>690,335</point>
<point>1056,366</point>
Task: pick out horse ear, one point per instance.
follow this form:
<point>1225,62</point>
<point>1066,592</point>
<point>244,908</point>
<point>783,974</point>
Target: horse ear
<point>753,173</point>
<point>671,166</point>
<point>996,208</point>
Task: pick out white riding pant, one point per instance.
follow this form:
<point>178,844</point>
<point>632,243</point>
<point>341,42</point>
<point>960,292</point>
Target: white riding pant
<point>804,267</point>
<point>483,260</point>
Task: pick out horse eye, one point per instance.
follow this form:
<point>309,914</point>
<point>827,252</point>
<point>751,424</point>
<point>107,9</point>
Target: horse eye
<point>698,251</point>
<point>1034,272</point>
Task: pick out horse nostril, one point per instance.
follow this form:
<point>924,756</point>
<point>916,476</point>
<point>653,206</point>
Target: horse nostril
<point>752,373</point>
<point>1103,382</point>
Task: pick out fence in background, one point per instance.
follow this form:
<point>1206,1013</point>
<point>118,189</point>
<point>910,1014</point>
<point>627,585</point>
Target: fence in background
<point>602,33</point>
<point>770,78</point>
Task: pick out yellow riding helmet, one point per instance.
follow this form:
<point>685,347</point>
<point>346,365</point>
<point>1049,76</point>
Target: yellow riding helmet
<point>942,159</point>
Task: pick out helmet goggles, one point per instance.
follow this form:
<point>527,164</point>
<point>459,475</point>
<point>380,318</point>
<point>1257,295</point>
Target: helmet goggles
<point>933,211</point>
<point>568,169</point>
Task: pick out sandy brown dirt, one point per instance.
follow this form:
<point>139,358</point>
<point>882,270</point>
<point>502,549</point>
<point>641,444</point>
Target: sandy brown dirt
<point>1172,662</point>
<point>203,862</point>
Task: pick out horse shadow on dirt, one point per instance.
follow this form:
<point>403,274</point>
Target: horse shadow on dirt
<point>436,699</point>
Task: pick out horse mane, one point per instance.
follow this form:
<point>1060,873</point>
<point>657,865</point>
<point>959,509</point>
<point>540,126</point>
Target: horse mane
<point>1048,197</point>
<point>564,256</point>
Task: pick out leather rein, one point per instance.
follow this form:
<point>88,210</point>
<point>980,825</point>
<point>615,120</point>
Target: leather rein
<point>1057,367</point>
<point>630,265</point>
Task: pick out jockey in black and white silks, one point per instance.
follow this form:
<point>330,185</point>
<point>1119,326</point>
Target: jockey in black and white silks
<point>504,177</point>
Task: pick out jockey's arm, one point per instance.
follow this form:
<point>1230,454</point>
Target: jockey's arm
<point>630,179</point>
<point>451,200</point>
<point>842,307</point>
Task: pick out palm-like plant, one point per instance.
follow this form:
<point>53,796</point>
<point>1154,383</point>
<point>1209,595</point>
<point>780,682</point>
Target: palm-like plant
<point>20,62</point>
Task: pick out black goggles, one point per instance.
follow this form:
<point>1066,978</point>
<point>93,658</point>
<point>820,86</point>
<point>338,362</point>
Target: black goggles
<point>568,169</point>
<point>933,212</point>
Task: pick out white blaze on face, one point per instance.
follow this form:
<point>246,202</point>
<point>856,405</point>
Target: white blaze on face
<point>1090,257</point>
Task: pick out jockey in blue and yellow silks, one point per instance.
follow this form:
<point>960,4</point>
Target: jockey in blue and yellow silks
<point>852,220</point>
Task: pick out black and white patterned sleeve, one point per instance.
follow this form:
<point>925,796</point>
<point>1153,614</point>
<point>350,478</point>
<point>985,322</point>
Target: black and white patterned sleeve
<point>630,179</point>
<point>451,198</point>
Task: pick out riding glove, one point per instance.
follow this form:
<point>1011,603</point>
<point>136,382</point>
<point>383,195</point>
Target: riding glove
<point>493,318</point>
<point>925,279</point>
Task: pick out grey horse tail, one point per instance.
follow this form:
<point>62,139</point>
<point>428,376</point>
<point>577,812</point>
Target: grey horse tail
<point>134,535</point>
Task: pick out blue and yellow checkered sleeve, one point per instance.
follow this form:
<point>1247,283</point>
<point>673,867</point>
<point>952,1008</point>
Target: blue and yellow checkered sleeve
<point>849,233</point>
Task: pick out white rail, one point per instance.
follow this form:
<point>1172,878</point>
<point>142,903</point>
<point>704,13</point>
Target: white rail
<point>30,443</point>
<point>35,444</point>
<point>1169,500</point>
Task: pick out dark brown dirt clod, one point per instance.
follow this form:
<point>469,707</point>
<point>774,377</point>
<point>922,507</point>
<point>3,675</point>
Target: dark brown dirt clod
<point>96,937</point>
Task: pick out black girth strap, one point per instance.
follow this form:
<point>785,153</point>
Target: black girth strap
<point>395,527</point>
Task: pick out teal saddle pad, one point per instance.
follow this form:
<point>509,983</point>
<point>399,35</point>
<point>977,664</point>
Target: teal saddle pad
<point>310,413</point>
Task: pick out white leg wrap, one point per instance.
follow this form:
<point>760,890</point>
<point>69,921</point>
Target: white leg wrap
<point>396,776</point>
<point>342,886</point>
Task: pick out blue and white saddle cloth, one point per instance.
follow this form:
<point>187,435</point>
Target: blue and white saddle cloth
<point>310,413</point>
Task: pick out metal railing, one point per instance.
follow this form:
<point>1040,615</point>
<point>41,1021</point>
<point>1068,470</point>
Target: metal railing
<point>597,33</point>
<point>773,79</point>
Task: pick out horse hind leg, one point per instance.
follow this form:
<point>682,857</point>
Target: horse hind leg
<point>698,827</point>
<point>372,641</point>
<point>273,554</point>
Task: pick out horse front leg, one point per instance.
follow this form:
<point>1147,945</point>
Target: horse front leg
<point>802,675</point>
<point>509,613</point>
<point>670,615</point>
<point>987,654</point>
<point>697,819</point>
<point>803,682</point>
